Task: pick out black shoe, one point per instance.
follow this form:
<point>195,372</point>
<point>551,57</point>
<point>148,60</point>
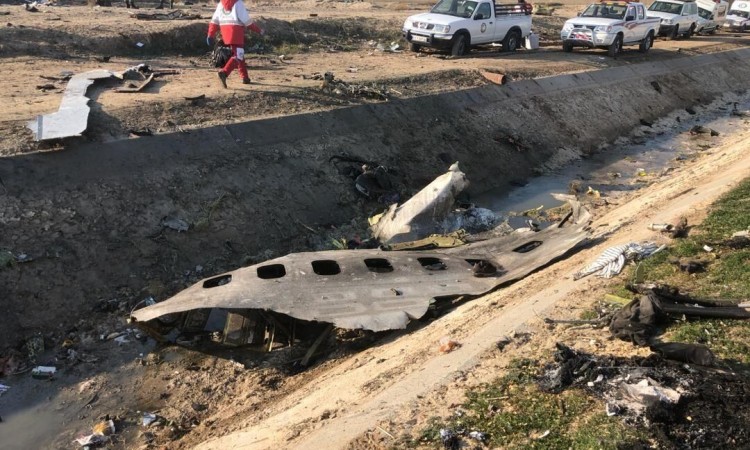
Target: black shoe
<point>246,81</point>
<point>223,79</point>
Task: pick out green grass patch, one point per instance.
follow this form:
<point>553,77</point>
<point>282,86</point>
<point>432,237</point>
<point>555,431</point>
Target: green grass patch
<point>729,214</point>
<point>515,414</point>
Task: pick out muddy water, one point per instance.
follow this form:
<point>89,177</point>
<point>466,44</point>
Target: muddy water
<point>648,153</point>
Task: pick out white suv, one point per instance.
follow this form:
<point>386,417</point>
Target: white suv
<point>677,17</point>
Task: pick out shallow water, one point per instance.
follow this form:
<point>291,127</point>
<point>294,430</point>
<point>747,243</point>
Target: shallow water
<point>615,169</point>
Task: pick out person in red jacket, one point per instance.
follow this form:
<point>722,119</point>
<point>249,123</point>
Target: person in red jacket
<point>231,17</point>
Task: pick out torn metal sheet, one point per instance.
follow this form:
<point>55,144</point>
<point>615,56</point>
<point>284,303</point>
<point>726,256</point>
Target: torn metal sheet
<point>138,87</point>
<point>71,119</point>
<point>416,219</point>
<point>374,289</point>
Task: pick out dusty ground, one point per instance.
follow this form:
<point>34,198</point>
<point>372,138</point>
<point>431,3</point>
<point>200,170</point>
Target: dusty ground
<point>369,395</point>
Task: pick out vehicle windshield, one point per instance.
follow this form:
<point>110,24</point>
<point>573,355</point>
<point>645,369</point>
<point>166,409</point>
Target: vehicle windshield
<point>458,8</point>
<point>705,14</point>
<point>607,11</point>
<point>743,14</point>
<point>671,8</point>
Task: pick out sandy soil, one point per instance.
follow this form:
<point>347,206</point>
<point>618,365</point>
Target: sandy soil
<point>390,382</point>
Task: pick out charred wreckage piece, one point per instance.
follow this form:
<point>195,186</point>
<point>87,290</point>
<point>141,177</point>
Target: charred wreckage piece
<point>376,290</point>
<point>372,290</point>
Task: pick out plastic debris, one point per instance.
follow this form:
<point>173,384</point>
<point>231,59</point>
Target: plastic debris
<point>43,372</point>
<point>92,440</point>
<point>149,418</point>
<point>3,389</point>
<point>478,436</point>
<point>648,392</point>
<point>104,428</point>
<point>174,223</point>
<point>121,340</point>
<point>447,345</point>
<point>449,439</point>
<point>660,227</point>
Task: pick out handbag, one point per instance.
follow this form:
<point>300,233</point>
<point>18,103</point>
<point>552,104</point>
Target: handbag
<point>220,54</point>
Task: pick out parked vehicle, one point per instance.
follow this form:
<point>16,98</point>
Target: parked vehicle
<point>711,15</point>
<point>458,25</point>
<point>610,25</point>
<point>738,18</point>
<point>677,17</point>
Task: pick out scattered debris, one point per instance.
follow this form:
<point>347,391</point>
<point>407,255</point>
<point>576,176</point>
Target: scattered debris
<point>172,15</point>
<point>660,227</point>
<point>700,129</point>
<point>447,345</point>
<point>100,434</point>
<point>72,117</point>
<point>43,372</point>
<point>691,265</point>
<point>331,84</point>
<point>687,353</point>
<point>450,439</point>
<point>611,262</point>
<point>141,132</point>
<point>175,223</point>
<point>374,182</point>
<point>148,418</point>
<point>133,87</point>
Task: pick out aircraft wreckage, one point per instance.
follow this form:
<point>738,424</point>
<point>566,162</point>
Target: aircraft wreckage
<point>371,289</point>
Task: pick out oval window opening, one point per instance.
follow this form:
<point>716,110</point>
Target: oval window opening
<point>326,267</point>
<point>432,263</point>
<point>378,265</point>
<point>271,271</point>
<point>527,247</point>
<point>217,281</point>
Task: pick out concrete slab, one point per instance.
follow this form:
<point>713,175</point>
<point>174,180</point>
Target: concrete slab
<point>558,83</point>
<point>524,88</point>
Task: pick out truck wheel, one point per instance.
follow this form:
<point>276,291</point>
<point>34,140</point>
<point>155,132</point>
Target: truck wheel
<point>460,46</point>
<point>616,46</point>
<point>646,43</point>
<point>690,32</point>
<point>414,47</point>
<point>511,41</point>
<point>675,33</point>
<point>567,47</point>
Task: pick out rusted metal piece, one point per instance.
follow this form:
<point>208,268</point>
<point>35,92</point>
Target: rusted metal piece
<point>137,88</point>
<point>373,289</point>
<point>71,119</point>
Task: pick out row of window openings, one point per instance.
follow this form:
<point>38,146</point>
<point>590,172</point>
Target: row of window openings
<point>330,267</point>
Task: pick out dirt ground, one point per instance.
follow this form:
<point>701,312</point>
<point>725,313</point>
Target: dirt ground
<point>342,38</point>
<point>371,387</point>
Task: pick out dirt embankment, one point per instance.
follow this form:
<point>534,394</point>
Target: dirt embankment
<point>90,217</point>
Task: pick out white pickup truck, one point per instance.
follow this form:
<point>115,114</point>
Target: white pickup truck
<point>738,18</point>
<point>610,25</point>
<point>460,24</point>
<point>677,17</point>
